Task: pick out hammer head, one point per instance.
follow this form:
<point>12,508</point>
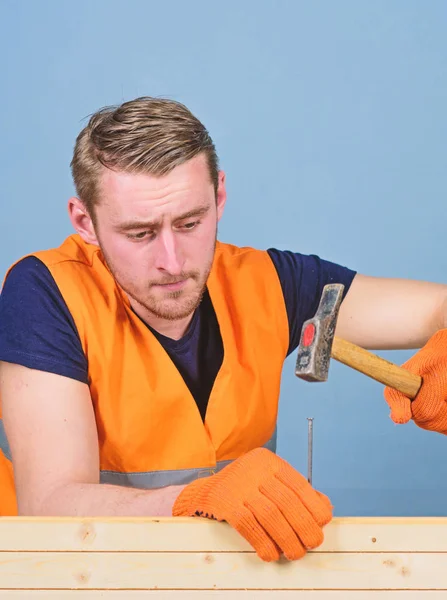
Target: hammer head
<point>317,334</point>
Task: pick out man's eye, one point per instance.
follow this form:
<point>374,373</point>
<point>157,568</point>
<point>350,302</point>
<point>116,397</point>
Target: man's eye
<point>141,235</point>
<point>190,225</point>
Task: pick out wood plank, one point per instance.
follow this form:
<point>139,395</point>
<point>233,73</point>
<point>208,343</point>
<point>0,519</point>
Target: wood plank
<point>201,570</point>
<point>218,595</point>
<point>423,534</point>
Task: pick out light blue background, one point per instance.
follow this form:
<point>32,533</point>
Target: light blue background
<point>330,121</point>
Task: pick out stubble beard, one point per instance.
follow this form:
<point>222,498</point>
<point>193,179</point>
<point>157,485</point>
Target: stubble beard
<point>170,307</point>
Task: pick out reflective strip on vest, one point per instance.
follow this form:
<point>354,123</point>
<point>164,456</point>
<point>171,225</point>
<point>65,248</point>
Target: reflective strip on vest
<point>149,479</point>
<point>4,446</point>
<point>159,479</point>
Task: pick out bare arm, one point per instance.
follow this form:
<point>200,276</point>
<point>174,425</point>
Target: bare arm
<point>51,429</point>
<point>387,314</point>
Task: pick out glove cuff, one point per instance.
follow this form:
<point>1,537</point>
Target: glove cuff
<point>185,501</point>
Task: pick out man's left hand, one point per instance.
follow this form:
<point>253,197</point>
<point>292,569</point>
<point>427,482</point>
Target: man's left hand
<point>429,409</point>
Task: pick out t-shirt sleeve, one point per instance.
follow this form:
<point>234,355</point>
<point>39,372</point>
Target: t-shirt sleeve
<point>36,328</point>
<point>303,278</point>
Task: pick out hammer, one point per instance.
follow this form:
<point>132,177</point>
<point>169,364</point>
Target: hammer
<point>318,343</point>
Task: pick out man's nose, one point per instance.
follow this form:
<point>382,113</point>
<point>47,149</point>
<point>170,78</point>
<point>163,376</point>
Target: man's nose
<point>168,255</point>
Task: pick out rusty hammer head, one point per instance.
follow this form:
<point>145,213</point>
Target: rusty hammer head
<point>317,334</point>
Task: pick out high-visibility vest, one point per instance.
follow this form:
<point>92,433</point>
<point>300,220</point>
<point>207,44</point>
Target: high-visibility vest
<point>150,430</point>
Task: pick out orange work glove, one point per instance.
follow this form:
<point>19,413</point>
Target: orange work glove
<point>429,409</point>
<point>266,500</point>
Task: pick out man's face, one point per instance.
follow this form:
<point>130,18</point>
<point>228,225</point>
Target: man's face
<point>158,236</point>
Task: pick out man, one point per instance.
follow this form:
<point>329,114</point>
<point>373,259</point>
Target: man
<point>146,356</point>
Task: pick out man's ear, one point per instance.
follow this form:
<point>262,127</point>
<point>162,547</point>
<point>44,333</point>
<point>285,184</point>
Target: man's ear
<point>221,195</point>
<point>82,221</point>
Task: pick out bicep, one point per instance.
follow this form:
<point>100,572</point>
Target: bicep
<point>51,430</point>
<point>380,313</point>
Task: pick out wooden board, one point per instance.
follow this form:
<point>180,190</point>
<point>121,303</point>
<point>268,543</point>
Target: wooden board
<point>217,595</point>
<point>361,559</point>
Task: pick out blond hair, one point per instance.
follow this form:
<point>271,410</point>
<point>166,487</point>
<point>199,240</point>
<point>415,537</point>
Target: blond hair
<point>145,135</point>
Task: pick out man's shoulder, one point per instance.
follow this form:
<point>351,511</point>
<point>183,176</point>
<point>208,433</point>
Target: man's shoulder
<point>27,285</point>
<point>244,270</point>
<point>26,271</point>
<point>36,328</point>
<point>71,250</point>
<point>233,253</point>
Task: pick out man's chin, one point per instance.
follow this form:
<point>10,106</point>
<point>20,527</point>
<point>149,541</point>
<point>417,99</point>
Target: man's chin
<point>174,308</point>
<point>168,313</point>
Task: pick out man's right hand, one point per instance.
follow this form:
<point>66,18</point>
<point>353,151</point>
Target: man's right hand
<point>266,500</point>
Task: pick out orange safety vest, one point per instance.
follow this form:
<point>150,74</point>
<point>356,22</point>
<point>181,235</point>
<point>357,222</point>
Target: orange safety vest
<point>150,430</point>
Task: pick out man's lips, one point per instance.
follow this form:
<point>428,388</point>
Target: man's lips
<point>171,287</point>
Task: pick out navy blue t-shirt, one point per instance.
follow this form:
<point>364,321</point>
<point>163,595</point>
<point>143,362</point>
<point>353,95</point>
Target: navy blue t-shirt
<point>38,331</point>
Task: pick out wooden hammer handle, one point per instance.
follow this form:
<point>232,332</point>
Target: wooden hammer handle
<point>376,367</point>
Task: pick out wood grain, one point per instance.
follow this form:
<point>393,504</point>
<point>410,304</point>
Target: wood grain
<point>169,558</point>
